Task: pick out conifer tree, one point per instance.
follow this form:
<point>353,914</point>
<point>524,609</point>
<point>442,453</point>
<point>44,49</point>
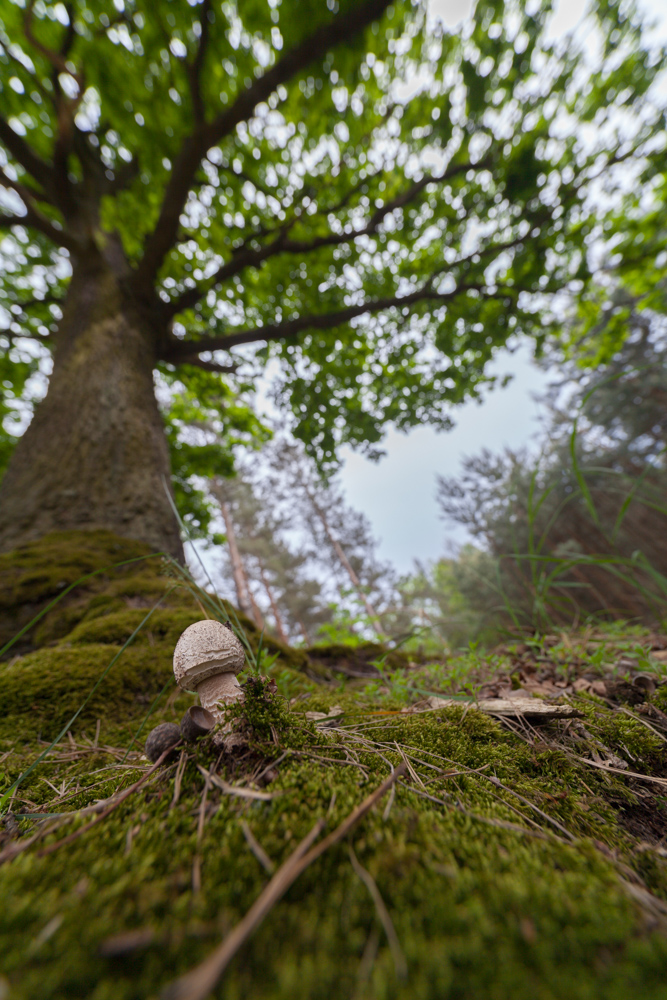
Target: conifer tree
<point>274,572</point>
<point>336,529</point>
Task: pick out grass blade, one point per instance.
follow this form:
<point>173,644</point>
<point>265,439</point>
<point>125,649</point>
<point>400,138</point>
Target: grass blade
<point>83,704</point>
<point>82,579</point>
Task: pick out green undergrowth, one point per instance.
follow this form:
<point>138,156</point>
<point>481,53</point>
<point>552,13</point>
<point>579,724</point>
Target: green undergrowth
<point>487,897</point>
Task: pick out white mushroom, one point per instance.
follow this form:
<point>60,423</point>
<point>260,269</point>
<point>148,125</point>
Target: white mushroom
<point>207,658</point>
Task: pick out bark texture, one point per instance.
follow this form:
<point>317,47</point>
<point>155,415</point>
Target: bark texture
<point>95,454</point>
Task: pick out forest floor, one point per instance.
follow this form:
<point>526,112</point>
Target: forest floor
<point>516,848</point>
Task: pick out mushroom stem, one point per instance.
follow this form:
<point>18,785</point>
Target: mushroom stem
<point>221,689</point>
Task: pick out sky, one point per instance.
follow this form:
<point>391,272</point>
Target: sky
<point>397,494</point>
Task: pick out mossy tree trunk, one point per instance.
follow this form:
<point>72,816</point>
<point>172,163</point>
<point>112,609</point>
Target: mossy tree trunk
<point>95,454</point>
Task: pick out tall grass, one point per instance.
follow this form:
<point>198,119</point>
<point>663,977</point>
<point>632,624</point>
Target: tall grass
<point>549,578</point>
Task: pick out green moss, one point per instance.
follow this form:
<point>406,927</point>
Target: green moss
<point>41,691</point>
<point>37,573</point>
<point>358,659</point>
<point>659,698</point>
<point>264,718</point>
<point>291,683</point>
<point>480,910</point>
<point>116,627</point>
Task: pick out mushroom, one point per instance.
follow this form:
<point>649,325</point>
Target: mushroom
<point>207,658</point>
<point>196,722</point>
<point>160,739</point>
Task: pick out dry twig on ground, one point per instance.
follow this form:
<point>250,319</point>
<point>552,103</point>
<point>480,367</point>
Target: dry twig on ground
<point>198,983</point>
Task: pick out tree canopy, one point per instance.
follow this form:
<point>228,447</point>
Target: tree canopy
<point>344,194</point>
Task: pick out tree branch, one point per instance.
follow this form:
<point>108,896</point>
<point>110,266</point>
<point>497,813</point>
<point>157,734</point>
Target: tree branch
<point>35,220</point>
<point>47,300</point>
<point>195,69</point>
<point>207,366</point>
<point>124,176</point>
<point>65,107</point>
<point>33,216</point>
<point>26,194</point>
<point>57,59</point>
<point>246,256</point>
<point>36,82</point>
<point>39,169</point>
<point>41,338</point>
<point>178,350</point>
<point>340,29</point>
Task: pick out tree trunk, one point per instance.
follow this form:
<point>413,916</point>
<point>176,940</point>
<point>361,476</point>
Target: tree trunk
<point>280,628</point>
<point>345,562</point>
<point>243,595</point>
<point>95,454</point>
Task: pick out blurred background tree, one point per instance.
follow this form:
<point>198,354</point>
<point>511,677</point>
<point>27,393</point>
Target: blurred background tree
<point>581,531</point>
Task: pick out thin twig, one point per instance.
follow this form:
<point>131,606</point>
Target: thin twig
<point>500,823</point>
<point>331,760</point>
<point>273,763</point>
<point>517,812</point>
<point>390,802</point>
<point>202,809</point>
<point>383,914</point>
<point>257,849</point>
<point>531,805</point>
<point>179,778</point>
<point>243,793</point>
<point>413,773</point>
<point>10,852</point>
<point>638,718</point>
<point>617,770</point>
<point>198,983</point>
<point>98,819</point>
<point>367,961</point>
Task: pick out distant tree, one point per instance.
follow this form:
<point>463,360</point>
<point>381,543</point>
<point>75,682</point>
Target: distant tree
<point>619,393</point>
<point>451,602</point>
<point>342,536</point>
<point>581,531</point>
<point>271,576</point>
<point>374,205</point>
<point>244,598</point>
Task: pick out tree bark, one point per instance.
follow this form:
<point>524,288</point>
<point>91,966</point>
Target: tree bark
<point>280,628</point>
<point>95,454</point>
<point>243,595</point>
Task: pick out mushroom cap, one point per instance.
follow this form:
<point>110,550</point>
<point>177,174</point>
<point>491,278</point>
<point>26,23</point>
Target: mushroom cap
<point>205,649</point>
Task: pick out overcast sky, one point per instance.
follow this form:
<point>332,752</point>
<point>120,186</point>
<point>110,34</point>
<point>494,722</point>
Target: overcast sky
<point>398,493</point>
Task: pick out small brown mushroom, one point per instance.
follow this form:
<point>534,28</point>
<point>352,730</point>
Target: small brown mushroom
<point>645,683</point>
<point>160,739</point>
<point>196,722</point>
<point>207,658</point>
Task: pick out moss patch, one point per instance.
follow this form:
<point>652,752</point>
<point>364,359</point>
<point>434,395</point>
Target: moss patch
<point>488,898</point>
